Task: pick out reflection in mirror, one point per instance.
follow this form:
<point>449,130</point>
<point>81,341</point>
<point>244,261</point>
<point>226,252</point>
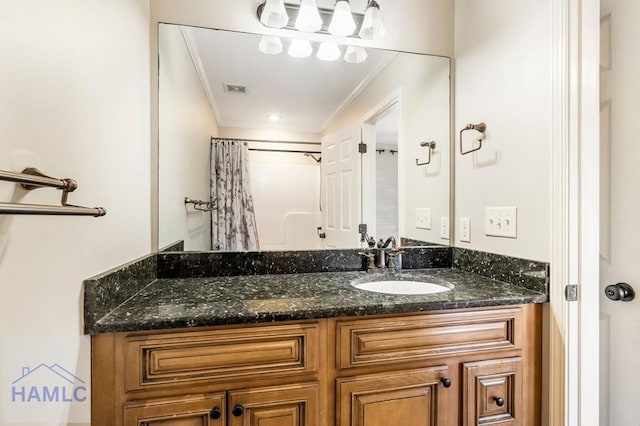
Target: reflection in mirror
<point>302,124</point>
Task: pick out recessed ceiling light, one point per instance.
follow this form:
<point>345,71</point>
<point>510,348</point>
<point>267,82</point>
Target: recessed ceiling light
<point>274,117</point>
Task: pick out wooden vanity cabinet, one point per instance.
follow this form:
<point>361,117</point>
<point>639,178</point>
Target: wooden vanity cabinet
<point>254,375</point>
<point>467,367</point>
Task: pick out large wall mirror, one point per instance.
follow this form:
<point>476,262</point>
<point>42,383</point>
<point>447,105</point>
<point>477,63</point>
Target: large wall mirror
<point>334,140</point>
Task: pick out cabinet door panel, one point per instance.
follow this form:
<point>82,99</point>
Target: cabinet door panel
<point>492,392</point>
<point>187,411</point>
<point>408,398</point>
<point>290,405</point>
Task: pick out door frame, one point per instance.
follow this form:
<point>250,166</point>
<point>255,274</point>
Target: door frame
<point>395,99</point>
<point>572,327</point>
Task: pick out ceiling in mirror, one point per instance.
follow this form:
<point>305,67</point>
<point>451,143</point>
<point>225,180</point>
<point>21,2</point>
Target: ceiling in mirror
<point>310,92</point>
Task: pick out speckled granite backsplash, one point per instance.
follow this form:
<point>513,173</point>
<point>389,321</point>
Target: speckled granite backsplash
<point>106,291</point>
<point>523,272</point>
<point>215,264</point>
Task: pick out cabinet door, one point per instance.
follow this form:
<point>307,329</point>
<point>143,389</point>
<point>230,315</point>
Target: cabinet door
<point>407,398</point>
<point>289,405</point>
<point>207,410</point>
<point>492,392</point>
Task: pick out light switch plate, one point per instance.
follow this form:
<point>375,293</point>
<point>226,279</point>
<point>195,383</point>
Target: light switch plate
<point>423,218</point>
<point>444,227</point>
<point>465,230</point>
<point>501,222</point>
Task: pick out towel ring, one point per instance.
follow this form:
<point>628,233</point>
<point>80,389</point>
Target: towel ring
<point>480,127</point>
<point>432,146</point>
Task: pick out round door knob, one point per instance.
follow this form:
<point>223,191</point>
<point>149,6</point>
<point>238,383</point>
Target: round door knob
<point>215,413</point>
<point>445,382</point>
<point>621,291</point>
<point>499,401</point>
<point>237,410</point>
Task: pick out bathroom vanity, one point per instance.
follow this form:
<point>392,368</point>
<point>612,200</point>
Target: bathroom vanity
<point>311,349</point>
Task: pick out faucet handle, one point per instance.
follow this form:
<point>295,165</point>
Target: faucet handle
<point>371,264</point>
<point>392,258</point>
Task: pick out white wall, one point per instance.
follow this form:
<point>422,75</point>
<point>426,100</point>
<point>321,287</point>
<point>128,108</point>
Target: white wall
<point>74,102</point>
<point>186,125</point>
<point>503,77</point>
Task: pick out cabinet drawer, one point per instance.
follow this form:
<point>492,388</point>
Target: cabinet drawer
<point>402,339</point>
<point>492,392</point>
<point>192,357</point>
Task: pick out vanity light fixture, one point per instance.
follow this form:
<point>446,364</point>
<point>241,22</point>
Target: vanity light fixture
<point>300,48</point>
<point>355,55</point>
<point>274,14</point>
<point>372,27</point>
<point>308,19</point>
<point>270,45</point>
<point>328,52</point>
<point>342,23</point>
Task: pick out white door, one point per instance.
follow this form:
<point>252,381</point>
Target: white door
<point>619,211</point>
<point>341,188</point>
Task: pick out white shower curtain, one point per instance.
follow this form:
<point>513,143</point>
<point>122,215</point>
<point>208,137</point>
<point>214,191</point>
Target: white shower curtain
<point>233,222</point>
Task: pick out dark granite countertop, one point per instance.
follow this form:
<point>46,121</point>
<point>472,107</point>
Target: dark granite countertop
<point>193,302</point>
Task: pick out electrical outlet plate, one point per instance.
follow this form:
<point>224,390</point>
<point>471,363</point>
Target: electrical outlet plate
<point>465,230</point>
<point>423,218</point>
<point>444,227</point>
<point>501,222</point>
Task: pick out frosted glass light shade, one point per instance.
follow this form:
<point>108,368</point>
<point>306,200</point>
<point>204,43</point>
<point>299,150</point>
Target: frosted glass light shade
<point>274,14</point>
<point>342,23</point>
<point>300,48</point>
<point>328,52</point>
<point>355,55</point>
<point>372,26</point>
<point>271,45</point>
<point>308,19</point>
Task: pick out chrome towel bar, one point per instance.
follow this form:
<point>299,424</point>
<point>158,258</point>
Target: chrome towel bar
<point>203,206</point>
<point>32,178</point>
<point>37,209</point>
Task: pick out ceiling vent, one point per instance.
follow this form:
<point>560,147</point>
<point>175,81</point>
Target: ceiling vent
<point>235,88</point>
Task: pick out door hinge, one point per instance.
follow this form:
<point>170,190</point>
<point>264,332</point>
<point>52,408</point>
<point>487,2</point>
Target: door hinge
<point>362,148</point>
<point>571,293</point>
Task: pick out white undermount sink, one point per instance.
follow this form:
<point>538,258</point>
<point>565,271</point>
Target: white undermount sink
<point>400,287</point>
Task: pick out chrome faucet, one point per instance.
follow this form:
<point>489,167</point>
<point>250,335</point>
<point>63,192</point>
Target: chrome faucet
<point>381,260</point>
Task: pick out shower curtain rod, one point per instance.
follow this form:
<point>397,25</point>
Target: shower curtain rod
<point>267,141</point>
<point>284,150</point>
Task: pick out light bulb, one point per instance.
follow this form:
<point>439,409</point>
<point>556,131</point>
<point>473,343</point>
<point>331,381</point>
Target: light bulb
<point>342,23</point>
<point>308,19</point>
<point>328,52</point>
<point>355,55</point>
<point>271,45</point>
<point>372,26</point>
<point>274,14</point>
<point>300,48</point>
